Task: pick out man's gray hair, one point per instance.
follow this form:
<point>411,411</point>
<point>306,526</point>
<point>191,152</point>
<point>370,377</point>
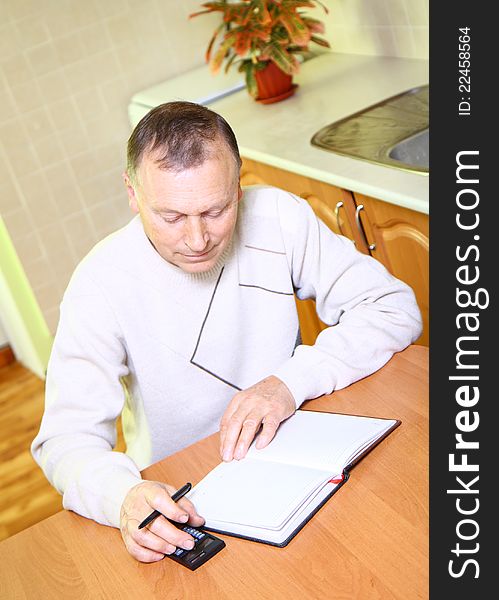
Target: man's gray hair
<point>180,135</point>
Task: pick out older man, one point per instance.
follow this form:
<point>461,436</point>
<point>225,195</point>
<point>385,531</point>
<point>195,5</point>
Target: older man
<point>184,321</point>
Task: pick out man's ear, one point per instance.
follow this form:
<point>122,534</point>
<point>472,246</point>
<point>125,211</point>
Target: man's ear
<point>239,192</point>
<point>132,196</point>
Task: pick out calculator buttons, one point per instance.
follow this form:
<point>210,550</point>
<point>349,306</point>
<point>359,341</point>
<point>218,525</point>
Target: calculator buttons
<point>206,546</point>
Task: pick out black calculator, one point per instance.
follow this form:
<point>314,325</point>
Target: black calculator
<point>205,546</point>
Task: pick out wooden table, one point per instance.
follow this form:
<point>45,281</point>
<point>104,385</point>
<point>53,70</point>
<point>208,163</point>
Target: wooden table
<point>369,541</point>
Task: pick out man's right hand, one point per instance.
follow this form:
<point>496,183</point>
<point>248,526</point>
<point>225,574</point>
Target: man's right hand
<point>160,537</point>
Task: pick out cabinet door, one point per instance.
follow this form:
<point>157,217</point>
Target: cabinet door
<point>399,238</point>
<point>331,204</point>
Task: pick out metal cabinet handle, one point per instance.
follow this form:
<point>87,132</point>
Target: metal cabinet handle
<point>361,229</point>
<point>337,215</point>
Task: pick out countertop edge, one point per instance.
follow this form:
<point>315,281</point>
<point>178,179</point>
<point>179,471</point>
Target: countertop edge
<point>354,185</point>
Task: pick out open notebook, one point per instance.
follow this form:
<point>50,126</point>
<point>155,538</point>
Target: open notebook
<point>270,494</point>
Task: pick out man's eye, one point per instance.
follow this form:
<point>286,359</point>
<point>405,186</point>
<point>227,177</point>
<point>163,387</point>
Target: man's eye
<point>172,219</point>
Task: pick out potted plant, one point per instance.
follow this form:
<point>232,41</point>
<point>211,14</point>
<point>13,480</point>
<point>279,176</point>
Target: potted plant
<point>263,37</point>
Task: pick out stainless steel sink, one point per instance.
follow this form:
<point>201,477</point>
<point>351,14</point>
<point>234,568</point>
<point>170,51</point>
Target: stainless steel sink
<point>394,133</point>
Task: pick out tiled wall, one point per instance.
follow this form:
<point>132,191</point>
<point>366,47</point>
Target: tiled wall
<point>379,27</point>
<point>67,71</point>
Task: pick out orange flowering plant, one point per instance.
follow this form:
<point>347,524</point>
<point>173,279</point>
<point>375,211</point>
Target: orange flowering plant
<point>255,32</point>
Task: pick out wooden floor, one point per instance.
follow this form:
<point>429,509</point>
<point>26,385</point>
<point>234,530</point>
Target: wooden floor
<point>26,496</point>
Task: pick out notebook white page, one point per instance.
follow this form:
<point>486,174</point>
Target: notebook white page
<point>325,441</point>
<point>255,493</point>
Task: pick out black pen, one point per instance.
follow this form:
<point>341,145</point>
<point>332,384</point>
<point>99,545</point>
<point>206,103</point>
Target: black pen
<point>176,496</point>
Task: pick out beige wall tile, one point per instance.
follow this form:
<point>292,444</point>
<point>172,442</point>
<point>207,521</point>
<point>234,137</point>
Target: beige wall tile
<point>38,124</point>
<point>379,27</point>
<point>33,30</point>
<point>10,40</point>
<point>62,113</point>
<point>56,244</point>
<point>404,41</point>
<point>113,7</point>
<point>69,48</point>
<point>43,58</point>
<point>29,250</point>
<point>53,86</point>
<point>41,272</point>
<point>19,221</point>
<point>16,69</point>
<point>80,233</point>
<point>85,165</point>
<point>9,196</point>
<point>18,152</point>
<point>88,103</point>
<point>73,140</point>
<point>8,109</point>
<point>48,295</point>
<point>95,38</point>
<point>64,190</point>
<point>420,35</point>
<point>37,199</point>
<point>417,12</point>
<point>49,150</point>
<point>26,97</point>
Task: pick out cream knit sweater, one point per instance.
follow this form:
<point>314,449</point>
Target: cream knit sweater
<point>169,349</point>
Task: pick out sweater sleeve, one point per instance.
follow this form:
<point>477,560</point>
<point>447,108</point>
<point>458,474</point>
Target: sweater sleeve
<point>83,399</point>
<point>371,314</point>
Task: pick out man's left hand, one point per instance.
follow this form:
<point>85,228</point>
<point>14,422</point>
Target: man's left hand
<point>266,403</point>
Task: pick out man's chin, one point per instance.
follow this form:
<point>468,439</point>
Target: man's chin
<point>200,266</point>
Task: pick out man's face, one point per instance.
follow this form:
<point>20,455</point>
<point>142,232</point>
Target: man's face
<point>189,216</point>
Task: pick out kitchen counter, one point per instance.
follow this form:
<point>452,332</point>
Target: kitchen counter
<point>331,87</point>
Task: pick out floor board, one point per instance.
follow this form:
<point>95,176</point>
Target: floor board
<point>26,497</point>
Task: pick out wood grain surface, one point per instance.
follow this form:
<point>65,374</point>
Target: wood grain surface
<point>370,540</point>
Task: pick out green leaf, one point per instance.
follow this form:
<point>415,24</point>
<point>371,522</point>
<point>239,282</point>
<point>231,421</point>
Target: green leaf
<point>314,25</point>
<point>282,58</point>
<point>320,42</point>
<point>223,50</point>
<point>212,41</point>
<point>251,81</point>
<point>229,62</point>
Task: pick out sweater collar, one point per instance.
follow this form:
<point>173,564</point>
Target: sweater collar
<point>164,268</point>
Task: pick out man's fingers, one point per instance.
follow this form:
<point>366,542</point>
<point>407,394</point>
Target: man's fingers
<point>143,554</point>
<point>240,432</point>
<point>269,400</point>
<point>194,517</point>
<point>148,539</point>
<point>268,432</point>
<point>159,499</point>
<point>247,435</point>
<point>225,422</point>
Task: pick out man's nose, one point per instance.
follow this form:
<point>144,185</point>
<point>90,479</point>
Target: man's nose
<point>196,236</point>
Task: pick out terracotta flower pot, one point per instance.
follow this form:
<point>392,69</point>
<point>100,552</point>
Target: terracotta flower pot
<point>273,84</point>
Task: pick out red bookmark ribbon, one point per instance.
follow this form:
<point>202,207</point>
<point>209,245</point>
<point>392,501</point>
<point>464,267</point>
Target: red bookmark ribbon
<point>338,479</point>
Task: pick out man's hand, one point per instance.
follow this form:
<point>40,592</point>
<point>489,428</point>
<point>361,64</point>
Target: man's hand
<point>160,537</point>
<point>266,403</point>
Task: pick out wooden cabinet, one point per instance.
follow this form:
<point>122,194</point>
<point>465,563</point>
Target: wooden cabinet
<point>399,238</point>
<point>323,198</point>
<point>396,236</point>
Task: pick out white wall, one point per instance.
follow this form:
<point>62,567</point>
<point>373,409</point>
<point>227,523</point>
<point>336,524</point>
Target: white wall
<point>3,336</point>
<point>377,27</point>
